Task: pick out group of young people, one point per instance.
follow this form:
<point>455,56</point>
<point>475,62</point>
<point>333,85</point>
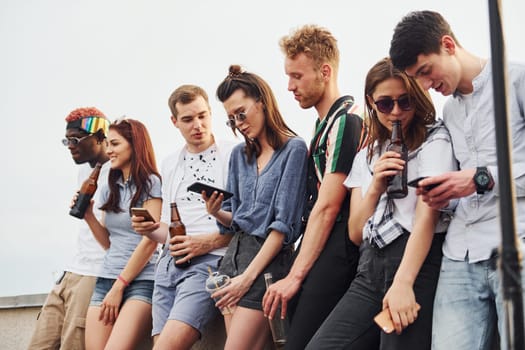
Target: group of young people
<point>427,258</point>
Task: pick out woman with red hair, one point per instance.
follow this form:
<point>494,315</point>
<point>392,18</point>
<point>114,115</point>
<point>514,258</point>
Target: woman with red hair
<point>120,311</point>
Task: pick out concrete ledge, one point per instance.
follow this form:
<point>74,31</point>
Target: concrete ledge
<point>17,326</point>
<point>22,301</point>
<point>18,318</point>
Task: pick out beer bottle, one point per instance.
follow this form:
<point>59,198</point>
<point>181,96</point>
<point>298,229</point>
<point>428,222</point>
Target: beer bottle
<point>87,190</point>
<point>397,184</point>
<point>177,228</point>
<point>278,326</point>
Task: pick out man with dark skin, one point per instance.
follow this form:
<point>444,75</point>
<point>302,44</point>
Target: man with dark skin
<point>61,322</point>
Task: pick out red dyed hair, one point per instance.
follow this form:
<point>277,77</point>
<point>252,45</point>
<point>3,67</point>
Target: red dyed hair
<point>84,112</point>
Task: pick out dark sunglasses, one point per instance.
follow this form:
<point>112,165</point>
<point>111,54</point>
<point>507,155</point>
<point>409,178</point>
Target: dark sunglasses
<point>386,105</point>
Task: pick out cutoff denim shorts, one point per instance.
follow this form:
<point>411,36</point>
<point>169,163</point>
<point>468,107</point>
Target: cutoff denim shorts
<point>137,290</point>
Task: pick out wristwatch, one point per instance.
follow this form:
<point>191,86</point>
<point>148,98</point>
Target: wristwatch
<point>483,180</point>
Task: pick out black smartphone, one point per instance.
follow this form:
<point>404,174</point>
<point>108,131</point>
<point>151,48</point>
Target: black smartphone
<point>413,183</point>
<point>142,212</point>
<point>198,187</point>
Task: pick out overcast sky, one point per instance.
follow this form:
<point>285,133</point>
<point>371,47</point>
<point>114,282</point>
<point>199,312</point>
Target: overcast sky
<point>127,56</point>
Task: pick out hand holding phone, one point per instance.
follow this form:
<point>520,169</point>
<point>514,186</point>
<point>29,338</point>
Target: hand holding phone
<point>384,321</point>
<point>413,183</point>
<point>198,187</point>
<point>142,212</point>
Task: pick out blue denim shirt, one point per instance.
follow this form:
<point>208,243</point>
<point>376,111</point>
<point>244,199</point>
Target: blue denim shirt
<point>271,200</point>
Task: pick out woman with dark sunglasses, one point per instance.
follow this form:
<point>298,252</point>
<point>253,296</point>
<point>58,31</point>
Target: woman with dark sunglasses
<point>267,178</point>
<point>400,252</point>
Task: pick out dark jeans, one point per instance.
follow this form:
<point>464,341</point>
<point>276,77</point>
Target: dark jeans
<point>351,325</point>
<point>325,284</point>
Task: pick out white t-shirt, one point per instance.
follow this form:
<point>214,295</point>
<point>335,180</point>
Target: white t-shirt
<point>182,169</point>
<point>89,255</point>
<point>424,164</point>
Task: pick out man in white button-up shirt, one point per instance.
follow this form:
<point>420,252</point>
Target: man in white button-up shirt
<point>469,298</point>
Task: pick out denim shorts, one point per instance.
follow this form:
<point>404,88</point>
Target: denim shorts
<point>242,249</point>
<point>137,290</point>
<point>180,293</point>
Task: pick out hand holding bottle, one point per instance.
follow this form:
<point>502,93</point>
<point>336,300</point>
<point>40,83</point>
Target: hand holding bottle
<point>88,212</point>
<point>85,194</point>
<point>278,325</point>
<point>387,166</point>
<point>177,228</point>
<point>397,185</point>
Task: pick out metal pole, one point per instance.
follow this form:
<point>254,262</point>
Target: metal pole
<point>509,258</point>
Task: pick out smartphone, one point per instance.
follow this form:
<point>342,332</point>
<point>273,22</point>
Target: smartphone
<point>384,321</point>
<point>142,212</point>
<point>413,183</point>
<point>198,187</point>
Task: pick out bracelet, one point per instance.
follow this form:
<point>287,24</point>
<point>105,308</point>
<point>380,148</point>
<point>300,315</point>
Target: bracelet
<point>121,279</point>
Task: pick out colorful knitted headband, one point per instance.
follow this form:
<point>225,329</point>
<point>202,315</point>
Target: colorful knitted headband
<point>90,124</point>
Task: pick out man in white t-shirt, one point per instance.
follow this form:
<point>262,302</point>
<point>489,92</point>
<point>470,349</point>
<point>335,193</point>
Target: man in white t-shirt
<point>61,322</point>
<point>181,305</point>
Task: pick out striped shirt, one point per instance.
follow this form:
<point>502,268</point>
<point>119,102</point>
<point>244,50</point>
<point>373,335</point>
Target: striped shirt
<point>333,148</point>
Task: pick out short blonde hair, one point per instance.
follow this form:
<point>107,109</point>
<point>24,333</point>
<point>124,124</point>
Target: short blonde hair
<point>315,42</point>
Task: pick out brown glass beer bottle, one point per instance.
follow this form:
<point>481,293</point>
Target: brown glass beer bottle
<point>87,190</point>
<point>177,228</point>
<point>397,184</point>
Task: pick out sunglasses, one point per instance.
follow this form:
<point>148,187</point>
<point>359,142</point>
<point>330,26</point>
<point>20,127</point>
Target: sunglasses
<point>386,105</point>
<point>122,119</point>
<point>240,117</point>
<point>73,141</point>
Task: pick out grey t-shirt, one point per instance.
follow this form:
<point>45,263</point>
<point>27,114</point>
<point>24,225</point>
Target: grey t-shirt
<point>123,239</point>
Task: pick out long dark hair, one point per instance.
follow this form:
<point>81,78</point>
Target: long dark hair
<point>143,164</point>
<point>255,87</point>
<point>425,112</point>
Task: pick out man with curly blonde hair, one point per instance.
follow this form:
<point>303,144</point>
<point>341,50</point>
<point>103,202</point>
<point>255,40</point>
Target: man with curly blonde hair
<point>326,260</point>
<point>61,322</point>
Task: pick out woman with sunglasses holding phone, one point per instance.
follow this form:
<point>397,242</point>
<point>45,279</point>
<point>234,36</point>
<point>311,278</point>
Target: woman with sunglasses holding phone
<point>400,252</point>
<point>119,315</point>
<point>267,176</point>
